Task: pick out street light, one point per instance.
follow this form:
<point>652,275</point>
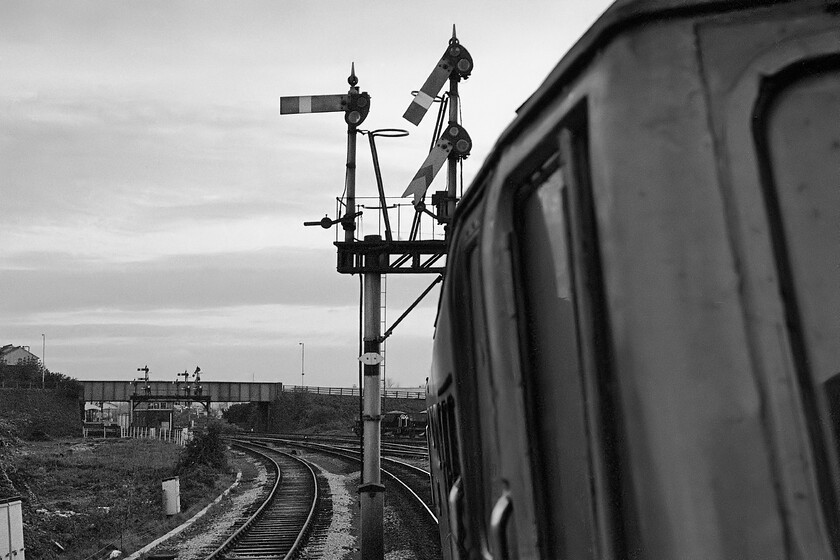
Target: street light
<point>302,348</point>
<point>43,359</point>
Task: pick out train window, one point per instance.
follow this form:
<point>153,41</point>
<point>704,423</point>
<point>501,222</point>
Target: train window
<point>450,444</point>
<point>554,385</point>
<point>474,413</point>
<point>799,143</point>
<point>440,452</point>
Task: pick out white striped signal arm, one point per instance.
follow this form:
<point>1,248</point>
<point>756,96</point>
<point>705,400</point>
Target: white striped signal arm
<point>432,164</point>
<point>456,59</point>
<point>292,105</point>
<point>424,98</point>
<point>454,142</point>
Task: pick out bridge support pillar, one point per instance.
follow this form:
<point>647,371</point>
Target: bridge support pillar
<point>264,415</point>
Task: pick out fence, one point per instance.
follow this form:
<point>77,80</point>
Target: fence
<point>23,385</point>
<point>100,429</point>
<point>179,436</point>
<point>355,392</point>
<point>401,216</point>
<point>341,391</point>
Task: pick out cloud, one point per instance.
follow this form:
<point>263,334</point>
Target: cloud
<point>58,282</point>
<point>232,343</point>
<point>153,198</point>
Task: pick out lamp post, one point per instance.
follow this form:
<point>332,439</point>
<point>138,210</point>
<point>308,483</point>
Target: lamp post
<point>302,348</point>
<point>43,359</point>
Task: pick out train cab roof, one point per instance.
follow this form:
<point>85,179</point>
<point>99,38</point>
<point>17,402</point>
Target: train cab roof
<point>620,17</point>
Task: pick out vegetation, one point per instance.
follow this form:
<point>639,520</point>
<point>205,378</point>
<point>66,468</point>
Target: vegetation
<point>205,449</point>
<point>201,462</point>
<point>37,415</point>
<point>81,497</point>
<point>85,497</point>
<point>30,374</point>
<point>302,412</point>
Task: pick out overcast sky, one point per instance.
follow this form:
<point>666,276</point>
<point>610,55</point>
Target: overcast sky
<point>152,199</point>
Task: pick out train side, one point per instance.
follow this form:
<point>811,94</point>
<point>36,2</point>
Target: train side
<point>637,345</point>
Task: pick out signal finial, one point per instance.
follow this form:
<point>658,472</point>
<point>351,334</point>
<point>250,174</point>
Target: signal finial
<point>352,80</point>
<point>455,62</point>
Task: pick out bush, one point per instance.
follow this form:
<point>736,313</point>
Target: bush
<point>201,463</point>
<point>206,448</point>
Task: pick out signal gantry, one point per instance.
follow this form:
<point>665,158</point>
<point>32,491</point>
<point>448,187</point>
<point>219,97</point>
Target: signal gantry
<point>372,257</point>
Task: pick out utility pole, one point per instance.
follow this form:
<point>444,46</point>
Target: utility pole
<point>356,106</point>
<point>43,360</point>
<point>302,348</point>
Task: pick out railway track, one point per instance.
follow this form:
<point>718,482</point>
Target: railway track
<point>408,498</point>
<point>389,449</point>
<point>280,525</point>
<point>406,450</point>
<point>404,447</point>
<point>412,480</point>
<point>410,442</point>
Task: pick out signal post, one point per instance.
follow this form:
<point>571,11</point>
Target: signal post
<point>356,107</point>
<point>372,257</point>
<point>371,489</point>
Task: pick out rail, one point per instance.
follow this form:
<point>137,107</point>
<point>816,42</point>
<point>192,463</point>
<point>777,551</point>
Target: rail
<point>281,524</point>
<point>340,391</point>
<point>355,391</point>
<point>25,385</point>
<point>402,215</point>
<point>354,455</point>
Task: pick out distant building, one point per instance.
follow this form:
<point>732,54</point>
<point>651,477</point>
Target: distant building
<point>13,355</point>
<point>103,412</point>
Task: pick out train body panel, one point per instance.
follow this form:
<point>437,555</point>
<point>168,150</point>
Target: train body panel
<point>636,344</point>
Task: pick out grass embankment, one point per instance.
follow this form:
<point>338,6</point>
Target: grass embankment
<point>89,497</point>
<point>35,414</point>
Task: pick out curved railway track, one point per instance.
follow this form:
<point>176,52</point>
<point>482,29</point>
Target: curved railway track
<point>411,479</point>
<point>405,447</point>
<point>279,526</point>
<point>407,442</point>
<point>388,449</point>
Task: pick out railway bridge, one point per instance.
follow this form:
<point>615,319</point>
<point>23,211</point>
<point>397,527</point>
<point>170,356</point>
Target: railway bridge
<point>215,391</point>
<point>205,392</point>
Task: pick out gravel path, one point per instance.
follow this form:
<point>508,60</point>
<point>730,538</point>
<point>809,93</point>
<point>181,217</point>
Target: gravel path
<point>206,534</point>
<point>342,543</point>
<point>339,541</point>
